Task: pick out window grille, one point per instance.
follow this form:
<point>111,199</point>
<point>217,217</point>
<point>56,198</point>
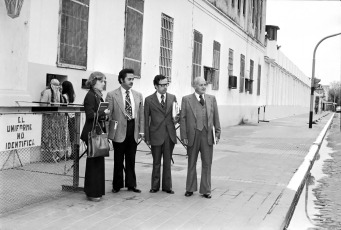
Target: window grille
<point>258,79</point>
<point>242,71</point>
<point>197,52</point>
<point>166,46</point>
<point>216,65</point>
<point>73,34</point>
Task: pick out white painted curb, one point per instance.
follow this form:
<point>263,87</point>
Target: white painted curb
<point>299,176</point>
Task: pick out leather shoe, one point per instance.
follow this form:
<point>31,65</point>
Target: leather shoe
<point>115,190</point>
<point>134,190</point>
<point>207,195</point>
<point>168,191</point>
<point>95,199</point>
<point>188,193</point>
<point>153,190</point>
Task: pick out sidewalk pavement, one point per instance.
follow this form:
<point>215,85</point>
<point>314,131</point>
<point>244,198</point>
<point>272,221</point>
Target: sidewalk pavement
<point>252,167</point>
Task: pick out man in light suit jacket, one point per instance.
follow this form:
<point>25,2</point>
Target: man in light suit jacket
<point>160,132</point>
<point>126,107</point>
<point>199,114</point>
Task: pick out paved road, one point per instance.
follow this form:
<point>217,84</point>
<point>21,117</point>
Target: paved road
<point>252,167</point>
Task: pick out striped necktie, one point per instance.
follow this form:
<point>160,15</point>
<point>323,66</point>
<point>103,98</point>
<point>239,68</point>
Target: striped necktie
<point>202,102</point>
<point>128,106</point>
<point>163,101</point>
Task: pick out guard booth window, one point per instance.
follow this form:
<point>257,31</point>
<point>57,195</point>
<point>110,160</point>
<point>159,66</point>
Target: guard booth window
<point>73,34</point>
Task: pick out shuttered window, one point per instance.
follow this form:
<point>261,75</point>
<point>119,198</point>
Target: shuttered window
<point>73,34</point>
<point>230,67</point>
<point>251,76</point>
<point>259,79</point>
<point>197,52</point>
<point>241,75</point>
<point>216,65</point>
<point>133,35</point>
<point>166,46</point>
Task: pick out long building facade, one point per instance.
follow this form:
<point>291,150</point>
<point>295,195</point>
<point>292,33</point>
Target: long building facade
<point>225,41</point>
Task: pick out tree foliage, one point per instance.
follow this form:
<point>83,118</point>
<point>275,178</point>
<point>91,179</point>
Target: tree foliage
<point>335,92</point>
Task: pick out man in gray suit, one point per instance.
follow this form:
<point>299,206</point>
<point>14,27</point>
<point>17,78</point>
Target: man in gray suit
<point>160,132</point>
<point>126,107</point>
<point>199,118</point>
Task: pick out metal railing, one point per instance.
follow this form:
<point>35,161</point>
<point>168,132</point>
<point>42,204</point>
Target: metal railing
<point>39,153</point>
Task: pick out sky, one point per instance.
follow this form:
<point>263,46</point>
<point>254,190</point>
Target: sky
<point>302,25</point>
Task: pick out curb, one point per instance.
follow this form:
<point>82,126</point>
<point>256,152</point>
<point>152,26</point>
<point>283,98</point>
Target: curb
<point>297,182</point>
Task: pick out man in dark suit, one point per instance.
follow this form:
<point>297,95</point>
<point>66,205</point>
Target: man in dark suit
<point>160,132</point>
<point>126,107</point>
<point>199,118</point>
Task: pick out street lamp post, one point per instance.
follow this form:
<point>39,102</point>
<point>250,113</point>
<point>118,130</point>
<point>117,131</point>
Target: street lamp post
<point>312,88</point>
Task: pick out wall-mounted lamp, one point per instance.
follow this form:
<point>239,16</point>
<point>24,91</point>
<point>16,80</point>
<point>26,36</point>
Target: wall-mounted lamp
<point>13,7</point>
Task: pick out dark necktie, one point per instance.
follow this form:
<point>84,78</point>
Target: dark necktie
<point>128,106</point>
<point>202,102</point>
<point>163,101</point>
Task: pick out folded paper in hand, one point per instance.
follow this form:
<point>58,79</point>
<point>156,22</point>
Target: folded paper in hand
<point>102,106</point>
<point>214,137</point>
<point>112,129</point>
<point>176,109</point>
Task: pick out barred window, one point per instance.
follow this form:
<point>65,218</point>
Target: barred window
<point>166,46</point>
<point>133,35</point>
<point>73,34</point>
<point>258,79</point>
<point>230,67</point>
<point>216,65</point>
<point>242,71</point>
<point>197,52</point>
<point>251,76</point>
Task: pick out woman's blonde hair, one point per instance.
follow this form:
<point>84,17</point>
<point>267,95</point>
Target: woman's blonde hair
<point>93,79</point>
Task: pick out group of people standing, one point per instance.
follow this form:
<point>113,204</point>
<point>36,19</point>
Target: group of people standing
<point>151,120</point>
<point>59,130</point>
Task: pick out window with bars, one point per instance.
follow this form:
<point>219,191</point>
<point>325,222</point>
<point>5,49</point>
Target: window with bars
<point>166,46</point>
<point>73,34</point>
<point>216,65</point>
<point>250,80</point>
<point>259,78</point>
<point>197,52</point>
<point>133,36</point>
<point>241,75</point>
<point>230,67</point>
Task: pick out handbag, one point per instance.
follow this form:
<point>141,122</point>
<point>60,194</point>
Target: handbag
<point>98,145</point>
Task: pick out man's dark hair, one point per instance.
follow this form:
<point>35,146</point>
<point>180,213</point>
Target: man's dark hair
<point>158,78</point>
<point>123,73</point>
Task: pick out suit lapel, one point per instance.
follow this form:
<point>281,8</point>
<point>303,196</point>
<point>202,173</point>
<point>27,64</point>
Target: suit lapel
<point>156,102</point>
<point>169,102</point>
<point>208,103</point>
<point>192,103</point>
<point>119,98</point>
<point>136,101</point>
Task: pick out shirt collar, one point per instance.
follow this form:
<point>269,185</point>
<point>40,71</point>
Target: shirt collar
<point>159,96</point>
<point>124,91</point>
<point>197,96</point>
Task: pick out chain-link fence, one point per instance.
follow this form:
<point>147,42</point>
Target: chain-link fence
<point>39,155</point>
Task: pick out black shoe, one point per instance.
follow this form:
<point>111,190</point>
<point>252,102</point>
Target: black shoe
<point>115,190</point>
<point>134,190</point>
<point>207,195</point>
<point>153,190</point>
<point>188,193</point>
<point>95,199</point>
<point>168,191</point>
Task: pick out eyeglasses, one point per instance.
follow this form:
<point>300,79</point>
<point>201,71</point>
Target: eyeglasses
<point>164,85</point>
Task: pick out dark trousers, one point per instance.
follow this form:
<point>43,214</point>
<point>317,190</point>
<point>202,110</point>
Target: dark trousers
<point>165,150</point>
<point>125,151</point>
<point>206,153</point>
<point>94,182</point>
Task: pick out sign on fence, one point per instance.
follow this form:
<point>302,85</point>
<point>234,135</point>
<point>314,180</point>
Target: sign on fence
<point>19,131</point>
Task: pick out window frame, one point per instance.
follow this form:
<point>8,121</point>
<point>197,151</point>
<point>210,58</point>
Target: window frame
<point>166,46</point>
<point>60,61</point>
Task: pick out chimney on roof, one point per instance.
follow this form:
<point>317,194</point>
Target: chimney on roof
<point>271,32</point>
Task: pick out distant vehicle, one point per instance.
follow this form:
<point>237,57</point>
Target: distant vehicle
<point>338,109</point>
